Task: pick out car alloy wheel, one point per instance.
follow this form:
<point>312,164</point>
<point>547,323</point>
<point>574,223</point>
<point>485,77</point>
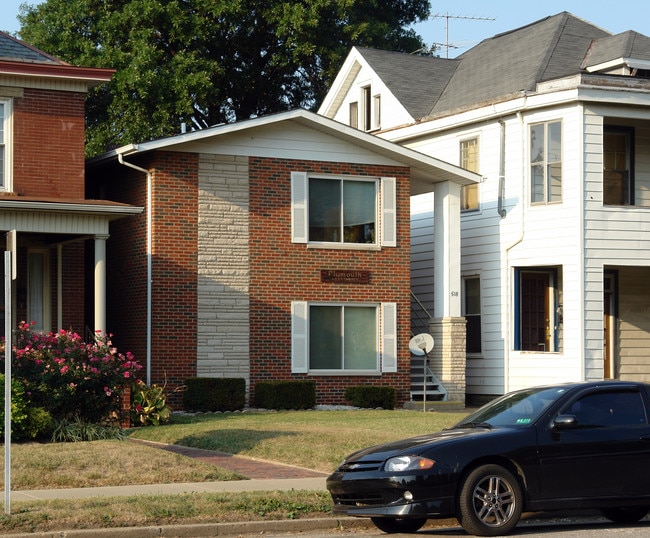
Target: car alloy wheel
<point>490,501</point>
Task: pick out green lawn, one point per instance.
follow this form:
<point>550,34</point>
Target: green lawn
<point>314,439</point>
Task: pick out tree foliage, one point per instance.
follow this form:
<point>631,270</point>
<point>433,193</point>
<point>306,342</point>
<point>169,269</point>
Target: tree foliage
<point>204,62</point>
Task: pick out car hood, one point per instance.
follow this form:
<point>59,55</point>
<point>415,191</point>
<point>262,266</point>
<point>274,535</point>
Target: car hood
<point>419,444</point>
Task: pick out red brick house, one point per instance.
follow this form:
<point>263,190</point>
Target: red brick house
<point>60,236</point>
<point>274,248</point>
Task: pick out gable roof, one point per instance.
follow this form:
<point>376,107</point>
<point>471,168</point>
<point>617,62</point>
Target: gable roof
<point>425,170</point>
<point>501,67</point>
<point>20,59</point>
<point>427,77</point>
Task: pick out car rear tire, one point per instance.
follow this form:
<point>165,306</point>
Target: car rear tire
<point>393,525</point>
<point>490,501</point>
<point>625,514</point>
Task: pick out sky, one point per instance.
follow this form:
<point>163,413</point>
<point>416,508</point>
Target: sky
<point>465,23</point>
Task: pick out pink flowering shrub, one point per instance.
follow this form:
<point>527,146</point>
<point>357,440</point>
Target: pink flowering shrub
<point>72,378</point>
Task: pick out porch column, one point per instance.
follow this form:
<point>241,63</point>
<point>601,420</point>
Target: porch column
<point>446,253</point>
<point>447,327</point>
<point>100,283</point>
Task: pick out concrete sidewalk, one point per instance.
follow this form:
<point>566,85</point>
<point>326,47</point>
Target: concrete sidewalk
<point>272,484</point>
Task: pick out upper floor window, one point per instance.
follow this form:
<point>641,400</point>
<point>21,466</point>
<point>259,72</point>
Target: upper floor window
<point>469,161</point>
<point>365,114</point>
<point>354,114</point>
<point>546,162</point>
<point>618,166</point>
<point>343,338</point>
<point>341,210</point>
<point>538,309</point>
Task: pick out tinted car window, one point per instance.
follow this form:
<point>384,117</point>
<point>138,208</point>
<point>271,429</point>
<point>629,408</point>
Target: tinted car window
<point>516,409</point>
<point>608,409</point>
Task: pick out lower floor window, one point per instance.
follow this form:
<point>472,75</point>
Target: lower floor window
<point>343,338</point>
<point>538,309</point>
<point>346,338</point>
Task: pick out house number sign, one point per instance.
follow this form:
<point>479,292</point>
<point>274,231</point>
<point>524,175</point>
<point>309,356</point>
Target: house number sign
<point>346,276</point>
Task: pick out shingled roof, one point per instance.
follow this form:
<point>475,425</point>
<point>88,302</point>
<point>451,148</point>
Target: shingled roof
<point>416,81</point>
<point>502,66</point>
<point>14,50</point>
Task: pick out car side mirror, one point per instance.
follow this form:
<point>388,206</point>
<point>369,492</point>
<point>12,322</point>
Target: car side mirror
<point>565,422</point>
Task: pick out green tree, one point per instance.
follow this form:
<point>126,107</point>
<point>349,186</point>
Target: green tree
<point>204,62</point>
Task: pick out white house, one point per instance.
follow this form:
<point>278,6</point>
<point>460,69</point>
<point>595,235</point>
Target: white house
<point>555,242</point>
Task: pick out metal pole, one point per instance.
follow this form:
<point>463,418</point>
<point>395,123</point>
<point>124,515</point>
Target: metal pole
<point>8,347</point>
<point>424,380</point>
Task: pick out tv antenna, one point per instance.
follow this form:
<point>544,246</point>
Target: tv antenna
<point>447,16</point>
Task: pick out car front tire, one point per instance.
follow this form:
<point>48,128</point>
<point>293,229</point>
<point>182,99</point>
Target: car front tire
<point>393,525</point>
<point>490,501</point>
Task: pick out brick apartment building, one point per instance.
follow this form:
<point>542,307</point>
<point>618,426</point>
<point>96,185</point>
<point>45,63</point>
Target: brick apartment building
<point>274,248</point>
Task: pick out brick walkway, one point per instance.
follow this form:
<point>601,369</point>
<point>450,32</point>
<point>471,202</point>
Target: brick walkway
<point>248,467</point>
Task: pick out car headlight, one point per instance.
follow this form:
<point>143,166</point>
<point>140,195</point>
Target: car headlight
<point>408,463</point>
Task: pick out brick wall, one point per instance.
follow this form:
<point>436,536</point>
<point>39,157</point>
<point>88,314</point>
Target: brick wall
<point>48,127</point>
<point>281,272</point>
<point>174,259</point>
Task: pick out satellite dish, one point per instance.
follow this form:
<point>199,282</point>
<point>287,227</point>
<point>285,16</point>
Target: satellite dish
<point>421,344</point>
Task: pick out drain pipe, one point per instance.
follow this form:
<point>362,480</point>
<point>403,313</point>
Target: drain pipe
<point>120,158</point>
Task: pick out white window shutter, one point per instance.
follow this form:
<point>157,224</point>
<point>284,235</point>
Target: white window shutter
<point>388,212</point>
<point>389,337</point>
<point>299,207</point>
<point>299,342</point>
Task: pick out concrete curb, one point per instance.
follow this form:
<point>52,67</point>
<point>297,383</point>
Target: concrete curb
<point>209,529</point>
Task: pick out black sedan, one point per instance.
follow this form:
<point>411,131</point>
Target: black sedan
<point>570,446</point>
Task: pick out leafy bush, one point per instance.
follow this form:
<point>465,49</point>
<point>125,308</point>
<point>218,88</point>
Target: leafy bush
<point>71,378</point>
<point>148,405</point>
<point>285,394</point>
<point>209,394</point>
<point>369,396</point>
<point>27,422</point>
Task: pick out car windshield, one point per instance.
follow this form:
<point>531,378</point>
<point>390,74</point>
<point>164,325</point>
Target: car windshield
<point>515,409</point>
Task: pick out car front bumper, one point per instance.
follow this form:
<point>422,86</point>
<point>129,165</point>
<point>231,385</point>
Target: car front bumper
<point>401,495</point>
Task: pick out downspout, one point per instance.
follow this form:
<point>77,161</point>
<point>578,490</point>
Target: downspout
<point>514,243</point>
<point>121,160</point>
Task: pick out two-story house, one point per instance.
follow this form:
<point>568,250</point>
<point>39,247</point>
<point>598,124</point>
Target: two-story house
<point>57,236</point>
<point>555,117</point>
<point>275,248</point>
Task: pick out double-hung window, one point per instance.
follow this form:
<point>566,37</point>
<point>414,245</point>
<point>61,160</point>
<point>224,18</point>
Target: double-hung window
<point>546,162</point>
<point>343,338</point>
<point>469,161</point>
<point>538,309</point>
<point>618,161</point>
<point>343,211</point>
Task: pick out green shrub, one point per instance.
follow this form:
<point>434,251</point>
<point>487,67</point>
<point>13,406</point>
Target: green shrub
<point>285,394</point>
<point>209,394</point>
<point>148,405</point>
<point>369,396</point>
<point>39,424</point>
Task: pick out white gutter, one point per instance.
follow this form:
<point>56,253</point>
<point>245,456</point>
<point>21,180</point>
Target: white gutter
<point>120,158</point>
